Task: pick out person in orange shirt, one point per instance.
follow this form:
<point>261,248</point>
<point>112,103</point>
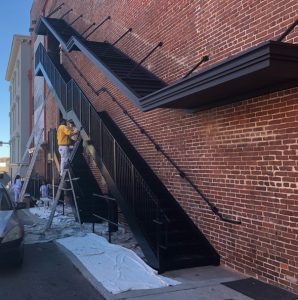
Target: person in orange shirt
<point>63,137</point>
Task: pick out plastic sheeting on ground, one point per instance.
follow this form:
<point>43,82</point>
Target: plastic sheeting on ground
<point>118,269</point>
<point>35,220</point>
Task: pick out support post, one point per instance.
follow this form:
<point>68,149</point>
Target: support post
<point>122,36</point>
<point>287,31</point>
<point>65,14</point>
<point>106,19</point>
<point>203,59</point>
<point>80,16</point>
<point>55,10</point>
<point>87,29</point>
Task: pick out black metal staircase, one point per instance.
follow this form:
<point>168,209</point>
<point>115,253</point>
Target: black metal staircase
<point>167,236</point>
<point>135,80</point>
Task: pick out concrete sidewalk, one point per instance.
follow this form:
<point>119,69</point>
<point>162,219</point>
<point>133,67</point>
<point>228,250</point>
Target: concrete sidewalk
<point>201,283</point>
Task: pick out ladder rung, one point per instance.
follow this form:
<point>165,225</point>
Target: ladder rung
<point>61,188</point>
<point>72,179</point>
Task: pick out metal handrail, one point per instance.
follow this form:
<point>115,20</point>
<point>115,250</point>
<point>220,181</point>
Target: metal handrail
<point>55,10</point>
<point>108,200</point>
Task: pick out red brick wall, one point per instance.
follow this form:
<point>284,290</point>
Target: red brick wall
<point>40,164</point>
<point>36,9</point>
<point>243,156</point>
<point>52,112</point>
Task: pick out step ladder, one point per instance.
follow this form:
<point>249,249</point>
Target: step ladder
<point>34,133</point>
<point>66,177</point>
<point>31,165</point>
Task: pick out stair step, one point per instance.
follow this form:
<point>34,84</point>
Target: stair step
<point>139,72</point>
<point>183,247</point>
<point>175,222</point>
<point>108,52</point>
<point>178,235</point>
<point>122,71</point>
<point>115,60</point>
<point>98,45</point>
<point>142,86</point>
<point>190,261</point>
<point>143,93</point>
<point>148,81</point>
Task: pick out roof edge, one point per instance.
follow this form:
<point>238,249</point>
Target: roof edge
<point>15,45</point>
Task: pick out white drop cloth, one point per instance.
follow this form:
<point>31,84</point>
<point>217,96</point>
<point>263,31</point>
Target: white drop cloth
<point>118,269</point>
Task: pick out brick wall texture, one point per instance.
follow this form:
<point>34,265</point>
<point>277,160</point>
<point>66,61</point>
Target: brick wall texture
<point>243,156</point>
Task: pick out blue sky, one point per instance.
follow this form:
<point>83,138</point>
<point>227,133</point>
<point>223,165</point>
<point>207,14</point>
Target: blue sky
<point>15,19</point>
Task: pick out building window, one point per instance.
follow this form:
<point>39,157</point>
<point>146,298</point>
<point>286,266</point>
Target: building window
<point>18,149</point>
<point>12,126</point>
<point>10,122</point>
<point>12,151</point>
<point>10,94</point>
<point>12,91</point>
<point>12,119</point>
<point>14,83</point>
<point>18,72</point>
<point>13,111</point>
<point>18,110</point>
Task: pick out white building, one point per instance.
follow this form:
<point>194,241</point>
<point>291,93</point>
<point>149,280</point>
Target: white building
<point>17,74</point>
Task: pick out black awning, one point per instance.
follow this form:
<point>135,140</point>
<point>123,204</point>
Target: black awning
<point>268,67</point>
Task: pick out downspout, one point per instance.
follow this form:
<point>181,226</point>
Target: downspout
<point>29,75</point>
<point>44,95</point>
<point>43,11</point>
<point>44,8</point>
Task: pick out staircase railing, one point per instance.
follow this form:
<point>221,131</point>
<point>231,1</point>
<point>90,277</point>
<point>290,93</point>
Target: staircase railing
<point>129,182</point>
